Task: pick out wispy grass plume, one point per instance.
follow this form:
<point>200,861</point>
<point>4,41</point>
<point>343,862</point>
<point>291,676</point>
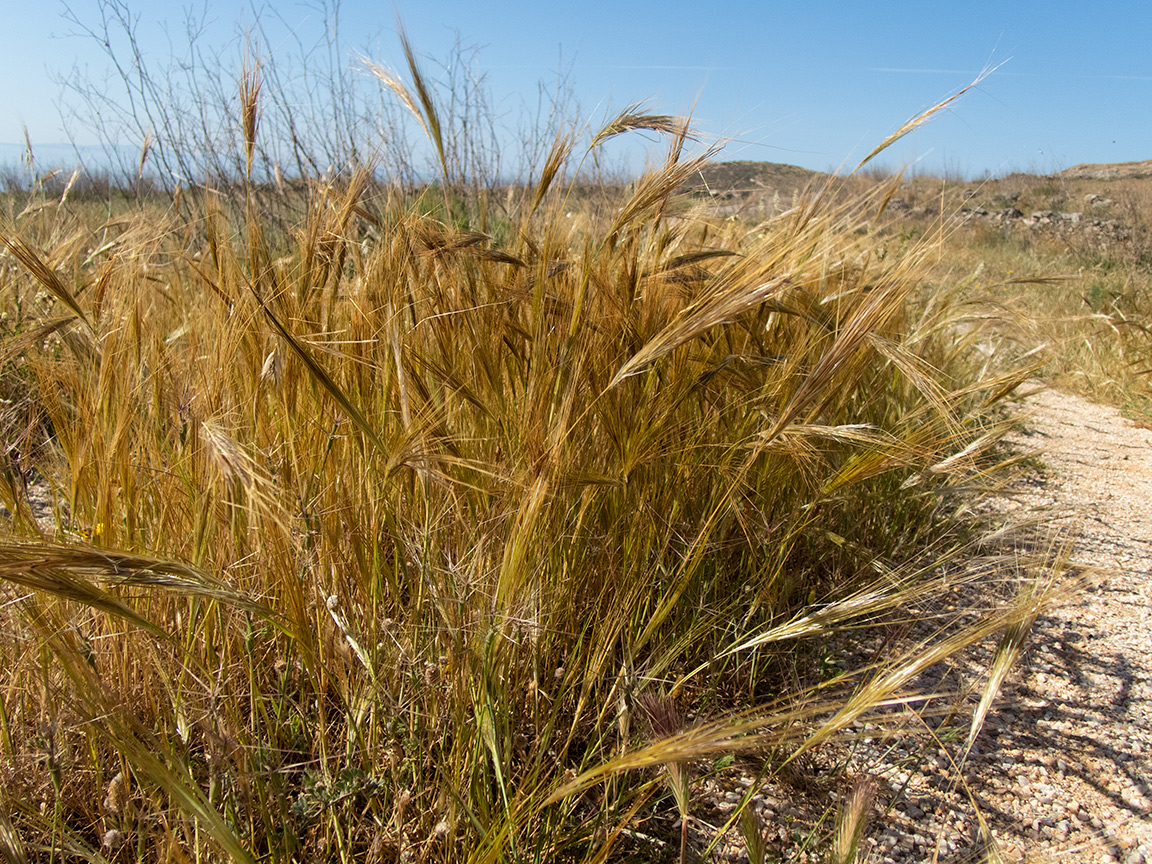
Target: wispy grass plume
<point>368,535</point>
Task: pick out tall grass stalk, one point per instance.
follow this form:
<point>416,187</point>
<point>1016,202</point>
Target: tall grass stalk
<point>367,539</point>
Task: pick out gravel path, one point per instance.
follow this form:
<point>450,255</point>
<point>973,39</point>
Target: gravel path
<point>1063,770</point>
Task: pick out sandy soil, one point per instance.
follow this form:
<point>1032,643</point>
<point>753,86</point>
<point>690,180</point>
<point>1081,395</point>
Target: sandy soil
<point>1063,768</point>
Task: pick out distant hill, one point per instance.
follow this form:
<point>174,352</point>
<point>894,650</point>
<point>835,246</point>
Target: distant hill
<point>1109,171</point>
<point>725,177</point>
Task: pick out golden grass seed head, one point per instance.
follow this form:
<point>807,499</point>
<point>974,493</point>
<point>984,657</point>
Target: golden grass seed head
<point>663,715</point>
<point>116,798</point>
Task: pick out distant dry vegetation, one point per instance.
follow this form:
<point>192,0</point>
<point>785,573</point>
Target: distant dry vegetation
<point>1066,257</point>
<point>362,522</point>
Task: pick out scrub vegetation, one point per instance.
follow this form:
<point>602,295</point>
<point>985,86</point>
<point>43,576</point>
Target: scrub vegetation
<point>462,522</point>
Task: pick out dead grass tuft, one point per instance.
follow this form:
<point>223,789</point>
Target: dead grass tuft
<point>371,533</point>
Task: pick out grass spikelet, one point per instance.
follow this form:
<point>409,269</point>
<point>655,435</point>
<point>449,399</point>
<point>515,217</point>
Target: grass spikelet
<point>888,684</point>
<point>116,798</point>
<point>325,380</point>
<point>146,148</point>
<point>427,104</point>
<point>43,273</point>
<point>633,119</point>
<point>251,80</point>
<point>422,106</point>
<point>76,574</point>
<point>1033,597</point>
<point>236,465</point>
<point>717,308</point>
<point>852,819</point>
<point>554,163</point>
<point>393,83</point>
<point>752,835</point>
<point>665,720</point>
<point>28,155</point>
<point>655,187</point>
<point>72,178</point>
<point>920,119</point>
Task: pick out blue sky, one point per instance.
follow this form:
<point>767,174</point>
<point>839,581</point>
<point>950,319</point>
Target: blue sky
<point>812,83</point>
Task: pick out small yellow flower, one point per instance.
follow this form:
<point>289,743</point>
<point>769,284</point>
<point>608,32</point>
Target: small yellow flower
<point>94,534</point>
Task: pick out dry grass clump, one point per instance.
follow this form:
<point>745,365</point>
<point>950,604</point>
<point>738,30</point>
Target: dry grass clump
<point>368,543</point>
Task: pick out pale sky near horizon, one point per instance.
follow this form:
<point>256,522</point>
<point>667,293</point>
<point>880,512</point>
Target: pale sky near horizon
<point>815,84</point>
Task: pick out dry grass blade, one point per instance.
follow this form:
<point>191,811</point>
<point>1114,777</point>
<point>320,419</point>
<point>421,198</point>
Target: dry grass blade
<point>712,311</point>
<point>554,163</point>
<point>1032,599</point>
<point>633,119</point>
<point>74,573</point>
<point>390,80</point>
<point>325,380</point>
<point>11,847</point>
<point>45,275</point>
<point>251,80</point>
<point>852,818</point>
<point>190,798</point>
<point>920,119</point>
